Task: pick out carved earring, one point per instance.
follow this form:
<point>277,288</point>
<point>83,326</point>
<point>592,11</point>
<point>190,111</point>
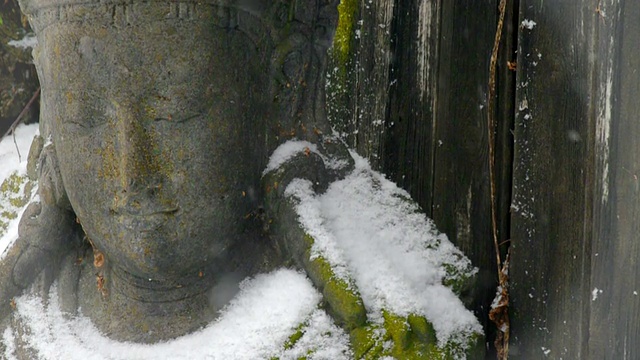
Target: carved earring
<point>51,188</point>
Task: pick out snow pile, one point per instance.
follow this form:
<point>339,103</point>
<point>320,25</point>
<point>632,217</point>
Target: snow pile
<point>528,24</point>
<point>370,231</point>
<point>255,325</point>
<point>288,150</point>
<point>13,178</point>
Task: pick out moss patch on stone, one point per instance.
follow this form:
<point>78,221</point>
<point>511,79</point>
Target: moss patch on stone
<point>297,335</point>
<point>344,303</point>
<point>15,193</point>
<point>343,39</point>
<point>408,338</point>
<point>341,71</point>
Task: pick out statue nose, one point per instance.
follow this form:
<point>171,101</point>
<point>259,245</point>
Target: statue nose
<point>143,201</point>
<point>141,179</point>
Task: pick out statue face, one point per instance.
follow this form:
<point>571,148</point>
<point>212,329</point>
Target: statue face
<point>158,130</point>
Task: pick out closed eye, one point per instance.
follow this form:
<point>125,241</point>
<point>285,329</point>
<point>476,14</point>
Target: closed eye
<point>87,123</point>
<point>174,119</point>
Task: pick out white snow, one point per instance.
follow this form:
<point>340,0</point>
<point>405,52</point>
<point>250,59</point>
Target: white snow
<point>366,227</point>
<point>29,41</point>
<point>289,149</point>
<point>594,294</point>
<point>255,325</point>
<point>545,351</point>
<point>528,24</point>
<point>12,163</point>
<point>9,160</point>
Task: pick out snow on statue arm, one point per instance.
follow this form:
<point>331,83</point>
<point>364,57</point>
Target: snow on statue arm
<point>387,276</point>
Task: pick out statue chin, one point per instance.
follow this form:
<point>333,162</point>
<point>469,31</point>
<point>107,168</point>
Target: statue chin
<point>160,247</point>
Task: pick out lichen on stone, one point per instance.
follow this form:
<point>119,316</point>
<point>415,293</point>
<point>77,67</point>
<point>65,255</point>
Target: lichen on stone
<point>15,193</point>
<point>343,300</point>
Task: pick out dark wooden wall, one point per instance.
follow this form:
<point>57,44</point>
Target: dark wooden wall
<point>575,238</point>
<point>567,141</point>
<point>18,79</point>
<point>433,138</point>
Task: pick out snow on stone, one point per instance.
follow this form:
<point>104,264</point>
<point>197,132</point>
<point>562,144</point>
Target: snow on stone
<point>11,163</point>
<point>290,149</point>
<point>8,338</point>
<point>594,294</point>
<point>255,325</point>
<point>528,24</point>
<point>29,41</point>
<point>366,224</point>
<point>9,160</point>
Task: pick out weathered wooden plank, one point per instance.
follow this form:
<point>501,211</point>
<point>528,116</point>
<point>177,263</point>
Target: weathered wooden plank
<point>505,106</point>
<point>359,75</point>
<point>552,194</point>
<point>408,150</point>
<point>615,263</point>
<point>461,201</point>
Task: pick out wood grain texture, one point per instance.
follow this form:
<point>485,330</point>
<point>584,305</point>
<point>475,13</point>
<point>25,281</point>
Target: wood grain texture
<point>461,194</point>
<point>552,193</point>
<point>615,264</point>
<point>409,142</point>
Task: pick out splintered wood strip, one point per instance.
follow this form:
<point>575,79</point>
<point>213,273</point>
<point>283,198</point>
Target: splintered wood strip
<point>498,314</point>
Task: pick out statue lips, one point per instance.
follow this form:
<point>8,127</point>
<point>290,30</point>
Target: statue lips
<point>147,222</point>
<point>136,217</point>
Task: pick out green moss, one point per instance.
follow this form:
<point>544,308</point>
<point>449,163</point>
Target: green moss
<point>345,304</point>
<point>460,281</point>
<point>9,215</point>
<point>363,339</point>
<point>342,43</point>
<point>410,338</point>
<point>422,329</point>
<point>15,192</point>
<point>293,339</point>
<point>12,184</point>
<point>341,74</point>
<point>398,329</point>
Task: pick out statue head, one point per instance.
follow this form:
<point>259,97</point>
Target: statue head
<point>162,117</point>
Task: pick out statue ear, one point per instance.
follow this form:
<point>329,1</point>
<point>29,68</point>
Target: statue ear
<point>50,185</point>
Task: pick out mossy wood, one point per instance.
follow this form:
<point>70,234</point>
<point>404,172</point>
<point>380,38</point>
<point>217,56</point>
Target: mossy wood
<point>409,86</point>
<point>566,150</point>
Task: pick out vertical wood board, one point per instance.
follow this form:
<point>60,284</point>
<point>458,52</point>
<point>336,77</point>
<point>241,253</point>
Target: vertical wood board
<point>461,198</point>
<point>615,258</point>
<point>552,195</point>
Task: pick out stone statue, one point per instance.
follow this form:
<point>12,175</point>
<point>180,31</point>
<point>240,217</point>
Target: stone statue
<point>162,116</point>
<point>157,120</point>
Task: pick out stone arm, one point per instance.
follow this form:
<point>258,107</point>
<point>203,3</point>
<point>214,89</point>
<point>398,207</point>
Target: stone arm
<point>412,337</point>
<point>44,235</point>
